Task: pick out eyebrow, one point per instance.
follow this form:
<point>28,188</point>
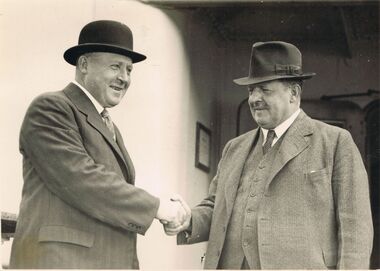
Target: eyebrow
<point>120,62</point>
<point>259,86</point>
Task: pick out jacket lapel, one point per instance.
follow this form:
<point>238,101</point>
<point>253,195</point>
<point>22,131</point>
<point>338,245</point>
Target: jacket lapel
<point>127,158</point>
<point>84,105</point>
<point>235,169</point>
<point>294,142</point>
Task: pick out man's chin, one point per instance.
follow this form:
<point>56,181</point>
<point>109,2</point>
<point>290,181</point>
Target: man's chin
<point>261,122</point>
<point>265,125</point>
<point>112,104</point>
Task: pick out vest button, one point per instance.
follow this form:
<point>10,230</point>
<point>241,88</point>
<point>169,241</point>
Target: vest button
<point>252,195</point>
<point>261,166</point>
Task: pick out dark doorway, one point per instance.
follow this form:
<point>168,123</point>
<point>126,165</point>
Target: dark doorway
<point>373,164</point>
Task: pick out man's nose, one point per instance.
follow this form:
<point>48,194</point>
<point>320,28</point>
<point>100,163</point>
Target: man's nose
<point>123,76</point>
<point>255,96</point>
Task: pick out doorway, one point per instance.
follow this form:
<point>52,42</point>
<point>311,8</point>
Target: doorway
<point>372,120</point>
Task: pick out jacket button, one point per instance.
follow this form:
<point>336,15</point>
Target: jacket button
<point>261,166</point>
<point>252,195</point>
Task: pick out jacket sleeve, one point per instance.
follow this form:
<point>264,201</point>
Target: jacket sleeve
<point>201,215</point>
<point>50,139</point>
<point>352,205</point>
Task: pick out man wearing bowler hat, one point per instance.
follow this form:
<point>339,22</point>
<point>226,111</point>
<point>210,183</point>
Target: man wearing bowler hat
<point>80,208</point>
<point>291,194</point>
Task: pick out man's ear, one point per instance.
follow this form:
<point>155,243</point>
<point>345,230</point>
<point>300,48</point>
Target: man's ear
<point>295,92</point>
<point>82,64</point>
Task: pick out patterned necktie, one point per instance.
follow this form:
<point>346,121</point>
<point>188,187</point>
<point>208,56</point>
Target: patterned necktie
<point>108,122</point>
<point>268,144</point>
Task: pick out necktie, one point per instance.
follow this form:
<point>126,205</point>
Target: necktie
<point>108,122</point>
<point>268,144</point>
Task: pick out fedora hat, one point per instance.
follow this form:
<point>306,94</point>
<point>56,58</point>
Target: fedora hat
<point>104,36</point>
<point>274,60</point>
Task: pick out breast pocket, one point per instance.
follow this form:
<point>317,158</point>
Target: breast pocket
<point>65,235</point>
<point>318,175</point>
<point>318,188</point>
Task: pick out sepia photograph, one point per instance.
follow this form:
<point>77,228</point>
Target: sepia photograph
<point>190,134</point>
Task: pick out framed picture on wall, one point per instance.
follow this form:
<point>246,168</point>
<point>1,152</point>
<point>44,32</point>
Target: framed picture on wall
<point>202,147</point>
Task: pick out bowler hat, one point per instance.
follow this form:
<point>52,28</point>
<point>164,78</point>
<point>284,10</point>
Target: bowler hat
<point>274,60</point>
<point>104,36</point>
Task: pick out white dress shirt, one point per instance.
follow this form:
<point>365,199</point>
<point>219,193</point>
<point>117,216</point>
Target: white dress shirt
<point>97,105</point>
<point>282,128</point>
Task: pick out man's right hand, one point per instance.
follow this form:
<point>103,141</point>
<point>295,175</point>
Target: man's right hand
<point>185,220</point>
<point>171,211</point>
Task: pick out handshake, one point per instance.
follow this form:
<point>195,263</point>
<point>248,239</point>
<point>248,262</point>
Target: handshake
<point>174,214</point>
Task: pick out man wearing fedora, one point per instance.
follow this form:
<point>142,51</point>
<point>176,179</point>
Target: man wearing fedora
<point>291,194</point>
<point>80,208</point>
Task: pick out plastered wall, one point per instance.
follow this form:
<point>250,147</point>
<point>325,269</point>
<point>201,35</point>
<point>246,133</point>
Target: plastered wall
<point>168,95</point>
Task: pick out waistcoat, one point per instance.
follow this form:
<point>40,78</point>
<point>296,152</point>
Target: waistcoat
<point>241,236</point>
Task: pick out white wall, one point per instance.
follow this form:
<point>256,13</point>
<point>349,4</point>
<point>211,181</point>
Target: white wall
<point>157,117</point>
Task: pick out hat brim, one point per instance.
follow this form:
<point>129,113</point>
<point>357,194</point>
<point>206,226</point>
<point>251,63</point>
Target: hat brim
<point>245,81</point>
<point>72,54</point>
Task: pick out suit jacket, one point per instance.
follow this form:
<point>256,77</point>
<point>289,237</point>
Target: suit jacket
<point>315,212</point>
<point>79,208</point>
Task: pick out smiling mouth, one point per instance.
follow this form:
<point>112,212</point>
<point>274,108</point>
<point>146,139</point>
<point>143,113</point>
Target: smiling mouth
<point>117,88</point>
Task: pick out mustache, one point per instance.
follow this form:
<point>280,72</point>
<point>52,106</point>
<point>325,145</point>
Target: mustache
<point>258,105</point>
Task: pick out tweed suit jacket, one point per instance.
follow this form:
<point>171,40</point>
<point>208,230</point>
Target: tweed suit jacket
<point>315,212</point>
<point>79,208</point>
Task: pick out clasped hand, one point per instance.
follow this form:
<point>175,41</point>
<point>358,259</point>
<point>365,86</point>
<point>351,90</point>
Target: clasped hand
<point>174,214</point>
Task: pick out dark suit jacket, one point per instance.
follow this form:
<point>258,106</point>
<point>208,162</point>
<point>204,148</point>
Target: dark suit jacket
<point>315,212</point>
<point>79,208</point>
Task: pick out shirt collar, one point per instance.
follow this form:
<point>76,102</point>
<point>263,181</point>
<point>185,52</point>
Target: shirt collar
<point>281,129</point>
<point>97,105</point>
